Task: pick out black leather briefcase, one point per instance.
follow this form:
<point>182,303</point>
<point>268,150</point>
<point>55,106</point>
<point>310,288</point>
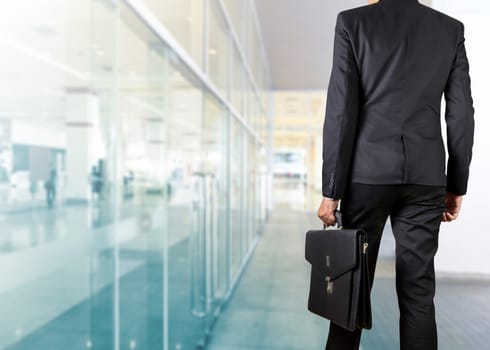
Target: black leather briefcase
<point>339,282</point>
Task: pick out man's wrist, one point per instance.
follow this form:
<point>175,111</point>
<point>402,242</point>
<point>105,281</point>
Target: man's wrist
<point>331,199</point>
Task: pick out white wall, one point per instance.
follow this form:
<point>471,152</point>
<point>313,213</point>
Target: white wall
<point>35,134</point>
<point>465,243</point>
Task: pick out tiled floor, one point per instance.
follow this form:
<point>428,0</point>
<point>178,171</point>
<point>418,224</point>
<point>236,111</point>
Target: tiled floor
<point>89,323</point>
<point>268,309</point>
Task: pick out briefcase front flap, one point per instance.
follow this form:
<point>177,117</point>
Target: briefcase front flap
<point>332,252</point>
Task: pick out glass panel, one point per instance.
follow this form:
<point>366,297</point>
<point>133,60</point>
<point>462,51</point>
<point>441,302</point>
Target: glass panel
<point>255,113</point>
<point>245,96</point>
<point>56,110</point>
<point>141,124</point>
<point>214,155</point>
<point>237,88</point>
<point>253,53</point>
<point>218,50</point>
<point>265,91</point>
<point>259,77</point>
<point>196,155</point>
<point>250,106</point>
<point>236,10</point>
<point>252,205</point>
<point>184,19</point>
<point>236,188</point>
<point>249,98</point>
<point>245,193</point>
<point>263,129</point>
<point>189,209</point>
<point>261,155</point>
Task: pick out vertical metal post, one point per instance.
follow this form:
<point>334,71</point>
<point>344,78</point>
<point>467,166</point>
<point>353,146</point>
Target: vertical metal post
<point>270,140</point>
<point>244,193</point>
<point>228,146</point>
<point>211,240</point>
<point>197,247</point>
<point>165,228</point>
<point>208,243</point>
<point>114,151</point>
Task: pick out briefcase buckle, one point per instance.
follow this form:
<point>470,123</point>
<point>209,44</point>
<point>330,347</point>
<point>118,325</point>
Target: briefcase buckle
<point>329,285</point>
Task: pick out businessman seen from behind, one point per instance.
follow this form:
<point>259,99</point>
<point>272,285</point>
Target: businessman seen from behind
<point>383,152</point>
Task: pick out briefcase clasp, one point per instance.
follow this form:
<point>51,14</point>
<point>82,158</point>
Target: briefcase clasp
<point>329,285</point>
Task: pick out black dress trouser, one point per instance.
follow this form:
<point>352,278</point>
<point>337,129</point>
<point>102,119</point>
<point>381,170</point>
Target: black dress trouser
<point>415,213</point>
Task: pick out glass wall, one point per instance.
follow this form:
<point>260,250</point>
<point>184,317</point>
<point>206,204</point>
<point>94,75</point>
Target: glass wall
<point>237,81</point>
<point>132,160</point>
<point>218,53</point>
<point>58,204</point>
<point>185,20</point>
<point>236,10</point>
<point>237,192</point>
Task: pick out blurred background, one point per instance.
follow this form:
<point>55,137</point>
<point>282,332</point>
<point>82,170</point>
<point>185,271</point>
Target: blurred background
<point>160,162</point>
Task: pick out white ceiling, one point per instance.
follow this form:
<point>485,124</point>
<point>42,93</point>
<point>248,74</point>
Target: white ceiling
<point>298,36</point>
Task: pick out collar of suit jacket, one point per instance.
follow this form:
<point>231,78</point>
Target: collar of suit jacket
<point>395,1</point>
<point>398,1</point>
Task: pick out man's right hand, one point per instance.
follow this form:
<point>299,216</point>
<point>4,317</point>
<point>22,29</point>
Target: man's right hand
<point>453,206</point>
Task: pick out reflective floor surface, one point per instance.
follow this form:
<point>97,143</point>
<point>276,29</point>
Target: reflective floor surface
<point>268,309</point>
<point>62,309</point>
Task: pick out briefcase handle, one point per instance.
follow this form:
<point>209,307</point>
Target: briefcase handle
<point>338,219</point>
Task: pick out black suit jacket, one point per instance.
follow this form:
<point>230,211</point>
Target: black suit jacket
<point>392,62</point>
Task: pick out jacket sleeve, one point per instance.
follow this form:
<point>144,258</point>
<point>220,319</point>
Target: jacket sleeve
<point>339,127</point>
<point>459,120</point>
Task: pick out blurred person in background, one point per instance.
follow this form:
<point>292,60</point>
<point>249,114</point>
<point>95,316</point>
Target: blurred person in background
<point>50,188</point>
